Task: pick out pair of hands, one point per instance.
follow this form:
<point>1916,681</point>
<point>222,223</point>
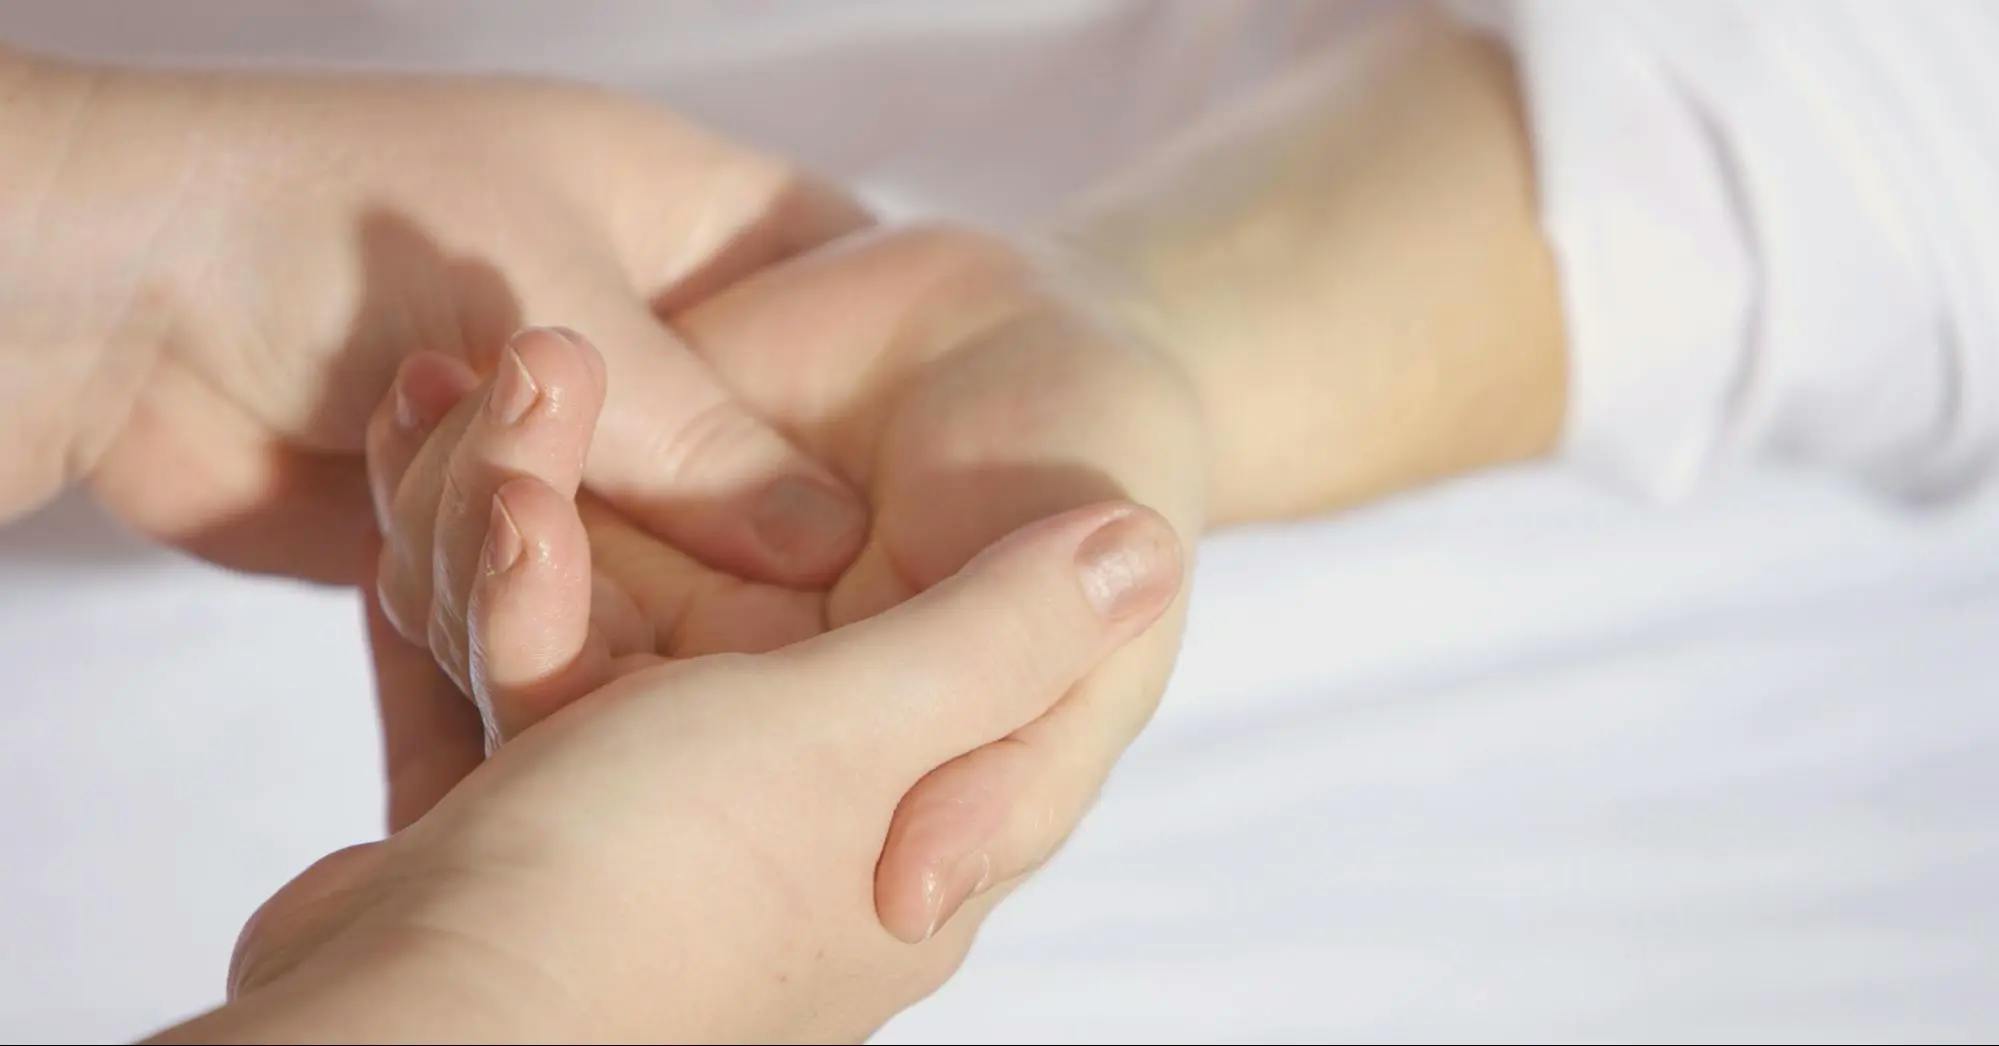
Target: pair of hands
<point>687,853</point>
<point>804,423</point>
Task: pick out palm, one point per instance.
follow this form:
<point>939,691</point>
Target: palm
<point>1040,414</point>
<point>935,376</point>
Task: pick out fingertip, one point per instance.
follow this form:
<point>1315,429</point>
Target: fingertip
<point>565,370</point>
<point>533,526</point>
<point>427,386</point>
<point>809,528</point>
<point>592,358</point>
<point>535,418</point>
<point>938,852</point>
<point>529,615</point>
<point>1007,635</point>
<point>686,457</point>
<point>504,544</point>
<point>1126,559</point>
<point>1131,566</point>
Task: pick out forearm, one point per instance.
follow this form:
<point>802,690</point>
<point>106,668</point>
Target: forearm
<point>80,192</point>
<point>35,418</point>
<point>1350,272</point>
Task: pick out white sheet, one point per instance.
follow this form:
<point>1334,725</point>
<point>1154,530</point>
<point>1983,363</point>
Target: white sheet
<point>1517,761</point>
<point>1509,759</point>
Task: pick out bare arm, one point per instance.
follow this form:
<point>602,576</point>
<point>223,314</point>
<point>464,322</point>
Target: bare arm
<point>1350,271</point>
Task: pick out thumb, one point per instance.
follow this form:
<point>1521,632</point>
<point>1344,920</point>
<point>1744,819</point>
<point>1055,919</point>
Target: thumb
<point>678,453</point>
<point>992,647</point>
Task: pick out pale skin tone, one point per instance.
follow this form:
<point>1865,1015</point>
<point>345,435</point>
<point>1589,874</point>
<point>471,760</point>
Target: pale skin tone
<point>1244,316</point>
<point>213,278</point>
<point>736,809</point>
<point>1336,295</point>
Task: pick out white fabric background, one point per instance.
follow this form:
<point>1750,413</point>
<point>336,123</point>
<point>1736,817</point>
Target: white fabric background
<point>1513,758</point>
<point>1776,231</point>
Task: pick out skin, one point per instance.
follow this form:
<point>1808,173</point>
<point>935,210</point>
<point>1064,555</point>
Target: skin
<point>737,804</point>
<point>1350,271</point>
<point>207,282</point>
<point>1336,293</point>
<point>962,397</point>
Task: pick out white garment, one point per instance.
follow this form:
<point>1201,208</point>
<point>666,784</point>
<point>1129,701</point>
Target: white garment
<point>1777,230</point>
<point>1511,759</point>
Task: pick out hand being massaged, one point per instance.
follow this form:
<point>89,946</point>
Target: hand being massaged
<point>928,368</point>
<point>789,432</point>
<point>829,432</point>
<point>685,853</point>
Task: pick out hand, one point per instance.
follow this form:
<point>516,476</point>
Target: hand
<point>933,370</point>
<point>966,389</point>
<point>209,281</point>
<point>685,854</point>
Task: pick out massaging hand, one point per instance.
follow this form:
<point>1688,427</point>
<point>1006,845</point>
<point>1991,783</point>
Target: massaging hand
<point>209,281</point>
<point>932,370</point>
<point>686,853</point>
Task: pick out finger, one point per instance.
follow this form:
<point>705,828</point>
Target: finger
<point>533,649</point>
<point>431,736</point>
<point>995,645</point>
<point>535,418</point>
<point>996,813</point>
<point>406,572</point>
<point>427,386</point>
<point>680,456</point>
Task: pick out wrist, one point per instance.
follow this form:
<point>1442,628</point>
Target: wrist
<point>1350,271</point>
<point>1175,409</point>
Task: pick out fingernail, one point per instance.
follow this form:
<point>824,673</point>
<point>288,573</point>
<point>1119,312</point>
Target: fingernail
<point>409,417</point>
<point>1130,565</point>
<point>806,521</point>
<point>503,539</point>
<point>946,890</point>
<point>422,397</point>
<point>514,390</point>
<point>427,386</point>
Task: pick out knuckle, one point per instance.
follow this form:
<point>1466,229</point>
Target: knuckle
<point>966,252</point>
<point>703,433</point>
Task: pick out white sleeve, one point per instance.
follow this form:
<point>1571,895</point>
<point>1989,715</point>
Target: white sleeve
<point>1777,228</point>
